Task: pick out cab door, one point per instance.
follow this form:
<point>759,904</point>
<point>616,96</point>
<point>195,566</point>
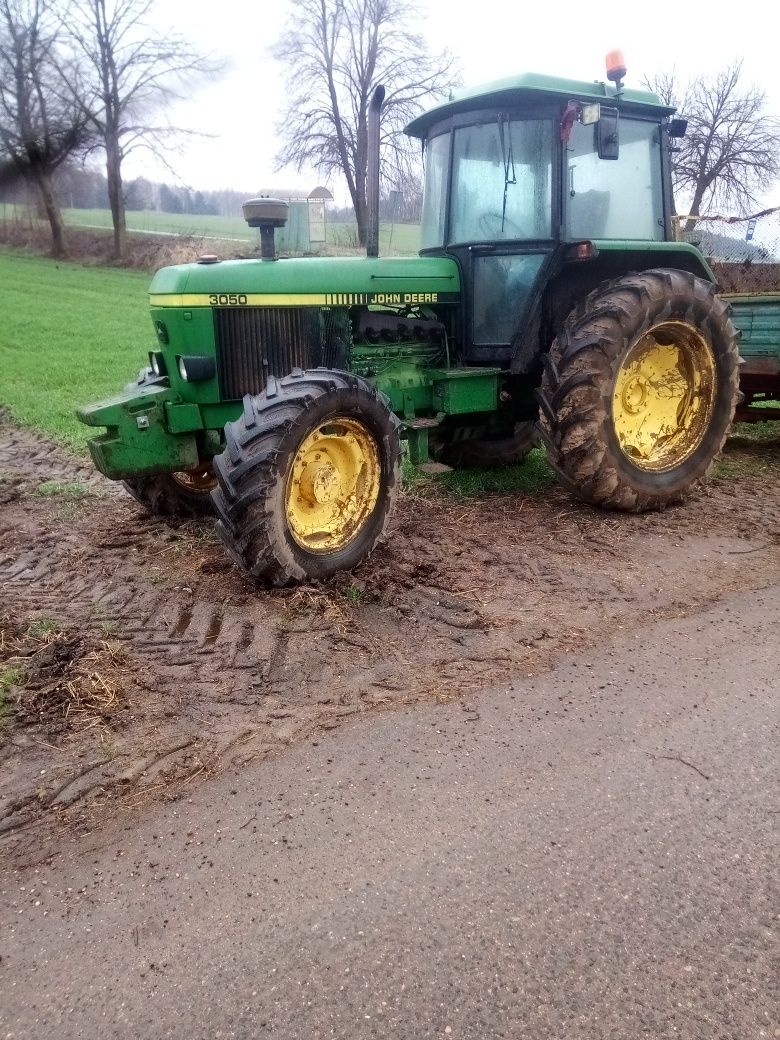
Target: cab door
<point>502,225</point>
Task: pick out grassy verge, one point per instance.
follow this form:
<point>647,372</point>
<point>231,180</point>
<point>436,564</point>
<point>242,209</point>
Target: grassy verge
<point>526,478</point>
<point>69,335</point>
<point>752,449</point>
<point>758,431</point>
<point>764,430</point>
<point>529,477</point>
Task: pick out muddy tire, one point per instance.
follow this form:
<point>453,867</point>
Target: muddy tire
<point>639,390</point>
<point>186,495</point>
<point>309,477</point>
<point>486,454</point>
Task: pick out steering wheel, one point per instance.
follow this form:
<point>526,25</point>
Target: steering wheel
<point>490,225</point>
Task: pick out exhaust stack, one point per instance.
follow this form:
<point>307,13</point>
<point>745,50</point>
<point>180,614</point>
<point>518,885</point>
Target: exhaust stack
<point>372,173</point>
<point>266,214</point>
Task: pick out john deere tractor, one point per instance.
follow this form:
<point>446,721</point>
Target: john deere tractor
<point>547,300</point>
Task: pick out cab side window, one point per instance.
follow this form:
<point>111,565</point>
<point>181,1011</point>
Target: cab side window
<point>614,199</point>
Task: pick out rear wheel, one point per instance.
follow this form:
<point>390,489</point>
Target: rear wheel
<point>309,477</point>
<point>185,494</point>
<point>640,389</point>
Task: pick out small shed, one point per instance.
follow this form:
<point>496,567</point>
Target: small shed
<point>306,220</point>
<point>316,201</point>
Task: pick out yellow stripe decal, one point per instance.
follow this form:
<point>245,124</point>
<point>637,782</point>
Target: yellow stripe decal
<point>355,299</point>
<point>239,299</point>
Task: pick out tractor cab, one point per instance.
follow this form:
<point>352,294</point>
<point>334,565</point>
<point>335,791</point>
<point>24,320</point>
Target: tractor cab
<point>528,173</point>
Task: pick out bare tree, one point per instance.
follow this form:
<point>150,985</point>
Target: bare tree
<point>731,151</point>
<point>42,120</point>
<point>137,70</point>
<point>337,51</point>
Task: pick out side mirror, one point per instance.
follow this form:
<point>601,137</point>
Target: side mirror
<point>677,127</point>
<point>607,140</point>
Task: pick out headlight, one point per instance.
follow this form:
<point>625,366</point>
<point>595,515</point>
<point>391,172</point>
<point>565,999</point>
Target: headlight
<point>194,368</point>
<point>157,362</point>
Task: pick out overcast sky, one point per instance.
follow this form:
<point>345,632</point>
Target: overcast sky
<point>491,39</point>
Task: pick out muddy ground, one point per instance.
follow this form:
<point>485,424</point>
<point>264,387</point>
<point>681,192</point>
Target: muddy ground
<point>138,663</point>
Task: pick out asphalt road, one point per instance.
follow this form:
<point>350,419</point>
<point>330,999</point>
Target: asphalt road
<point>590,854</point>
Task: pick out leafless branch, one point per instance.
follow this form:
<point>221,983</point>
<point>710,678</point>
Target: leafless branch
<point>730,154</point>
<point>43,121</point>
<point>136,71</point>
<point>337,52</point>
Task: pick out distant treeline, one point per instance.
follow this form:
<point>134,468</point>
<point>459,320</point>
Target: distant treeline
<point>83,187</point>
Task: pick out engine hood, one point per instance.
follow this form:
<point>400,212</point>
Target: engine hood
<point>315,281</point>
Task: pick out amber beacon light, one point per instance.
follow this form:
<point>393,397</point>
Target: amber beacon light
<point>616,67</point>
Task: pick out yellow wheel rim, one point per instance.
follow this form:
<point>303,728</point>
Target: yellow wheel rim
<point>333,485</point>
<point>664,396</point>
<point>200,480</point>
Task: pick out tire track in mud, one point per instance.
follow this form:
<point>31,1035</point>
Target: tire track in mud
<point>462,598</point>
<point>65,574</point>
<point>26,454</point>
<point>202,658</point>
<point>231,674</point>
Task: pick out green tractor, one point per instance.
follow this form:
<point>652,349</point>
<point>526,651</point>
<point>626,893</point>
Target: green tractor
<point>548,300</point>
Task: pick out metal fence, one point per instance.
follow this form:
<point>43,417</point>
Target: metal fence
<point>744,252</point>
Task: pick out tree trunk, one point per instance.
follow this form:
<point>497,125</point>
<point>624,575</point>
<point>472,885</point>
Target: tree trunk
<point>695,208</point>
<point>116,199</point>
<point>51,207</point>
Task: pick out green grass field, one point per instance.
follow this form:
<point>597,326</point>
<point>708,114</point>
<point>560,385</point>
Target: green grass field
<point>68,335</point>
<point>398,239</point>
<point>165,223</point>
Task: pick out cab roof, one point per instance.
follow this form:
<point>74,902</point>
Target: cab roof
<point>532,87</point>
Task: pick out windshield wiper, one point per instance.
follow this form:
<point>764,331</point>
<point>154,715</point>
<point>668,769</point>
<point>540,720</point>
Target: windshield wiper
<point>509,164</point>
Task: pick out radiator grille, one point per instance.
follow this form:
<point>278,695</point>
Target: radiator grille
<point>255,342</point>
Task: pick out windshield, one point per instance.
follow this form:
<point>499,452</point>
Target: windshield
<point>501,183</point>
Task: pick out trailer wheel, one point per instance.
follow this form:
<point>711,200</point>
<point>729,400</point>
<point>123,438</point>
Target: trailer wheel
<point>639,390</point>
<point>309,477</point>
<point>186,494</point>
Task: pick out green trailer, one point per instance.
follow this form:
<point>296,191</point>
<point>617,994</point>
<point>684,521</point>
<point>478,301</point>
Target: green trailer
<point>757,316</point>
<point>549,301</point>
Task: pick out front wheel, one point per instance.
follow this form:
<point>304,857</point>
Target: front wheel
<point>640,389</point>
<point>309,477</point>
<point>186,494</point>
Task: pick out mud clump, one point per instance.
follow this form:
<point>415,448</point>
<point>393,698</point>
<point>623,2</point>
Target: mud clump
<point>60,679</point>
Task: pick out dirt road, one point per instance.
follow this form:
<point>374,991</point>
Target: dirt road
<point>146,666</point>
